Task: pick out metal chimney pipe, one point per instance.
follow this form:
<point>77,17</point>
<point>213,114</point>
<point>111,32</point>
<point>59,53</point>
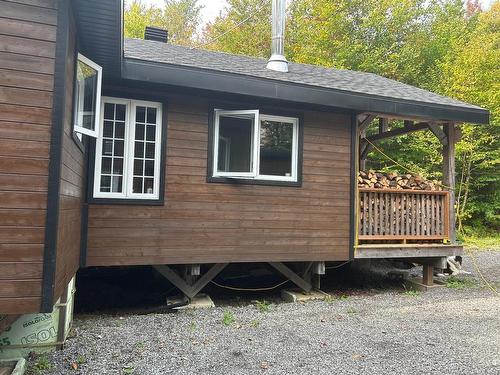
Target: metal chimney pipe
<point>277,61</point>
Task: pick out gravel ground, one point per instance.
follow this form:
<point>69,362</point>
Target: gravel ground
<point>446,330</point>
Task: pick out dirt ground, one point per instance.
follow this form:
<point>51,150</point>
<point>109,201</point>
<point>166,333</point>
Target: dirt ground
<point>368,325</point>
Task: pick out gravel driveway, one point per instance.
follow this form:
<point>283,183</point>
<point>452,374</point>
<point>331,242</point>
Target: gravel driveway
<point>447,330</point>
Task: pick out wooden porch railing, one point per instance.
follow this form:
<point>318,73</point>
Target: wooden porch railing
<point>388,214</point>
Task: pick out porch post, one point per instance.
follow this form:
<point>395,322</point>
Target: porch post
<point>449,174</point>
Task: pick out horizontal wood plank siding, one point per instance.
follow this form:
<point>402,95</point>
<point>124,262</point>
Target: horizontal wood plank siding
<point>27,52</point>
<point>70,186</point>
<point>214,222</point>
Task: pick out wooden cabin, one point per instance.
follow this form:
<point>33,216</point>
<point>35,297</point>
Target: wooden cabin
<point>139,152</point>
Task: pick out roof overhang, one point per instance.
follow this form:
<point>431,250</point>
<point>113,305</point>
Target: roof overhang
<point>203,79</point>
<point>100,32</point>
<point>100,37</point>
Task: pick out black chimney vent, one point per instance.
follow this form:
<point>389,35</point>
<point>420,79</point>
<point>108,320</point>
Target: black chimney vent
<point>156,34</point>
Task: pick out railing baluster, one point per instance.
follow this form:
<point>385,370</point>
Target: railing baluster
<point>433,207</point>
<point>386,209</point>
<point>391,214</point>
<point>425,222</point>
<point>370,220</point>
<point>438,215</point>
<point>413,214</point>
<point>441,215</point>
<point>429,219</point>
<point>364,201</point>
<point>397,214</point>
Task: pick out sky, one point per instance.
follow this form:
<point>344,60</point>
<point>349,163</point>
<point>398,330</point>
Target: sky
<point>212,8</point>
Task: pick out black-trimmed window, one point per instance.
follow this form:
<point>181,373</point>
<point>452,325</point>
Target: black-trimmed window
<point>128,150</point>
<point>253,146</point>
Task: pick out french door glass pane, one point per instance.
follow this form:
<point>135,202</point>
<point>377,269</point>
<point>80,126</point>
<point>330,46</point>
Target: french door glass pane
<point>144,150</point>
<point>113,148</point>
<point>235,149</point>
<point>276,140</point>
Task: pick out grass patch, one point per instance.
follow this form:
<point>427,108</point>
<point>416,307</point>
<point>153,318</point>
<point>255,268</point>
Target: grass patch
<point>480,239</point>
<point>140,345</point>
<point>127,370</point>
<point>193,326</point>
<point>255,323</point>
<point>228,318</point>
<point>81,359</point>
<point>411,293</point>
<point>40,365</point>
<point>454,282</point>
<point>263,306</point>
<point>333,297</point>
<point>482,243</point>
<point>352,311</point>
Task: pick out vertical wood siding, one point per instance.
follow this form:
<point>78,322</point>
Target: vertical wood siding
<point>212,222</point>
<point>27,47</point>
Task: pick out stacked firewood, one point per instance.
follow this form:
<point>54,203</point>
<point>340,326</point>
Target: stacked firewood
<point>393,180</point>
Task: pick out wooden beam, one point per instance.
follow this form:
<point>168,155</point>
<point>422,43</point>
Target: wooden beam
<point>174,278</point>
<point>397,132</point>
<point>372,251</point>
<point>363,124</point>
<point>207,277</point>
<point>439,133</point>
<point>449,176</point>
<point>428,274</point>
<point>307,268</point>
<point>190,290</point>
<point>292,276</point>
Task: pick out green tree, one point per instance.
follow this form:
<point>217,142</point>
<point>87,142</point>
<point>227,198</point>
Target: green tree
<point>244,27</point>
<point>472,73</point>
<point>180,17</point>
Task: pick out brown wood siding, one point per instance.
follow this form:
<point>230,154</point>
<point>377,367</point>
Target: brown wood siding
<point>212,222</point>
<point>71,187</point>
<point>27,46</point>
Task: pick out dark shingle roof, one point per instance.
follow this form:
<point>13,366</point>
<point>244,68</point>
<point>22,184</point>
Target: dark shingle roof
<point>303,74</point>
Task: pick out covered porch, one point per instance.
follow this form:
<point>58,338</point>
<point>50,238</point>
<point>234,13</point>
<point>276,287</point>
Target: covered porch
<point>400,222</point>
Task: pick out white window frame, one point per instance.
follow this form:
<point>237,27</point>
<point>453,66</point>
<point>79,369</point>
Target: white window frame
<point>128,151</point>
<point>80,129</point>
<point>241,114</point>
<point>254,174</point>
<point>295,148</point>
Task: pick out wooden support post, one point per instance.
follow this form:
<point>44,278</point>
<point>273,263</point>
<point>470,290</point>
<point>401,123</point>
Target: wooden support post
<point>185,287</point>
<point>428,274</point>
<point>449,176</point>
<point>362,164</point>
<point>363,122</point>
<point>292,276</point>
<point>318,269</point>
